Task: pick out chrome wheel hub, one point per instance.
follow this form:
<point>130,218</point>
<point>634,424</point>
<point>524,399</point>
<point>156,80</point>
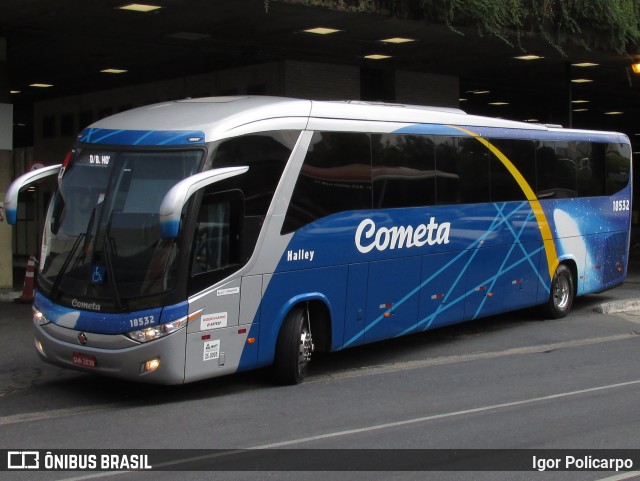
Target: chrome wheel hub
<point>561,293</point>
<point>306,347</point>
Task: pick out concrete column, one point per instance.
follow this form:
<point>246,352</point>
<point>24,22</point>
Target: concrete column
<point>6,174</point>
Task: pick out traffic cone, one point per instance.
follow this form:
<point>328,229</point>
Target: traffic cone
<point>29,281</point>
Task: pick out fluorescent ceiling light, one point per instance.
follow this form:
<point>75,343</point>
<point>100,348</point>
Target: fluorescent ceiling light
<point>40,86</point>
<point>528,57</point>
<point>321,30</point>
<point>464,100</point>
<point>498,103</point>
<point>398,40</point>
<point>614,112</point>
<point>479,92</point>
<point>14,91</point>
<point>532,120</point>
<point>585,64</point>
<point>139,7</point>
<point>377,56</point>
<point>188,36</point>
<point>579,101</point>
<point>580,110</point>
<point>581,80</point>
<point>113,70</point>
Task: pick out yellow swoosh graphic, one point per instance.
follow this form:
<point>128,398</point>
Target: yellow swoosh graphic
<point>543,224</point>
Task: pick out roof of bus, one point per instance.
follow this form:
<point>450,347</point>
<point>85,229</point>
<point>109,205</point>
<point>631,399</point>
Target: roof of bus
<point>220,117</point>
<point>205,114</point>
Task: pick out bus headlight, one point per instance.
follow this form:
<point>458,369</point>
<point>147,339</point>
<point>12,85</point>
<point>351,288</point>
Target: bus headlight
<point>39,318</point>
<point>156,332</point>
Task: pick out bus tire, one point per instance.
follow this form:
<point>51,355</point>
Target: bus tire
<point>294,348</point>
<point>561,294</point>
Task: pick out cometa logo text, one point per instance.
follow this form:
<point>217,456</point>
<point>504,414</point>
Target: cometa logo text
<point>369,236</point>
<point>91,306</point>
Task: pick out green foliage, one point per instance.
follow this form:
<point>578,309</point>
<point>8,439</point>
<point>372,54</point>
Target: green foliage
<point>501,18</point>
<point>617,20</point>
<point>610,24</point>
<point>604,24</point>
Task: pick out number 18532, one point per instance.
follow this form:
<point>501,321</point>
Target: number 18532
<point>621,205</point>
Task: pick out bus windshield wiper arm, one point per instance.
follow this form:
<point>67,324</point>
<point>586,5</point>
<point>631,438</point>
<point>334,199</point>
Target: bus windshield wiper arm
<point>108,257</point>
<point>82,236</point>
<point>65,265</point>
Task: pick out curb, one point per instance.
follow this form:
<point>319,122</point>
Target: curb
<point>618,306</point>
<point>9,295</point>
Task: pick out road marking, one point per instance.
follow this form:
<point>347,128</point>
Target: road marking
<point>439,361</point>
<point>382,426</point>
<point>433,417</point>
<point>59,413</point>
<point>365,371</point>
<point>623,476</point>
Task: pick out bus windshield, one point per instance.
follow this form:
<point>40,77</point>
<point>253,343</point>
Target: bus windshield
<point>102,237</point>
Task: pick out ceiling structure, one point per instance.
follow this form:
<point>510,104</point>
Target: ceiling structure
<point>67,44</point>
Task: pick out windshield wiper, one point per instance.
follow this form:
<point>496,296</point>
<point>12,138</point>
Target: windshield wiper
<point>108,249</point>
<point>65,265</point>
<point>82,236</point>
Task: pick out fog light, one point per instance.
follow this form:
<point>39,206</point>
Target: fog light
<point>151,365</point>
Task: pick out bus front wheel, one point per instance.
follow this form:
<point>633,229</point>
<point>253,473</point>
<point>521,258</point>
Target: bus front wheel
<point>294,348</point>
<point>562,293</point>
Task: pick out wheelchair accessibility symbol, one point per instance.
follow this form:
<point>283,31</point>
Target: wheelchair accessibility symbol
<point>97,275</point>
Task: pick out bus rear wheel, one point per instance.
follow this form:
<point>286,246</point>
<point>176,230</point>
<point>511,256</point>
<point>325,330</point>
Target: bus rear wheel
<point>294,348</point>
<point>562,293</point>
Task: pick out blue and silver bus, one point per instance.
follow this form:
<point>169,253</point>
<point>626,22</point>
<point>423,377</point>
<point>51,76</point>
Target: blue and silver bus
<point>196,238</point>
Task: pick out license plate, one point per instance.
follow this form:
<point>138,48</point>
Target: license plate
<point>83,360</point>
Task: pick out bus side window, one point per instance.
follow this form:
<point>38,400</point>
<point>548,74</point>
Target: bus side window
<point>473,161</point>
<point>335,177</point>
<point>403,171</point>
<point>618,158</point>
<point>521,154</point>
<point>217,242</point>
<point>266,155</point>
<point>566,169</point>
<point>591,169</point>
<point>447,176</point>
<point>556,180</point>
